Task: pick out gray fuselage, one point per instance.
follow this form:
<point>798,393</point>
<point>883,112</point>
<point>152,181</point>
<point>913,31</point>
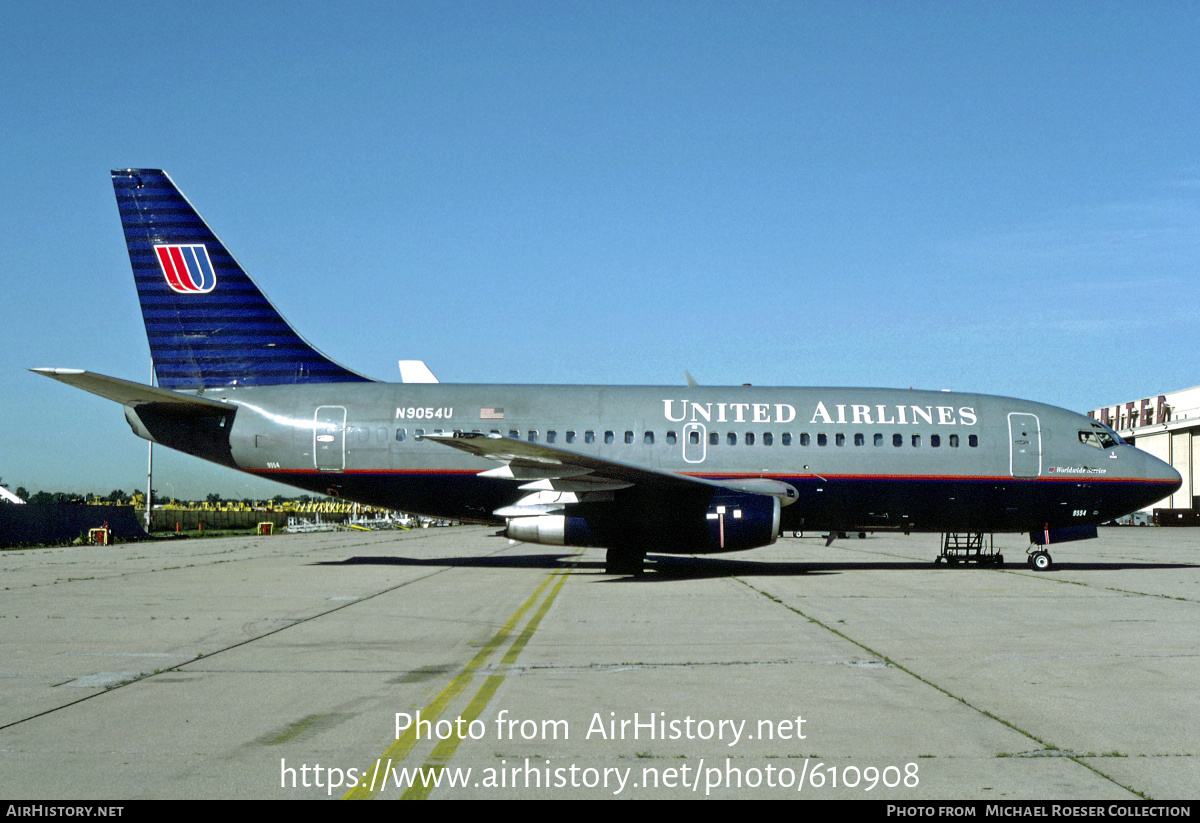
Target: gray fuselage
<point>859,459</point>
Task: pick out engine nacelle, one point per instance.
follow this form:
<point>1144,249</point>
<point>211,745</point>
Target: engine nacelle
<point>730,521</point>
<point>739,521</point>
<point>550,529</point>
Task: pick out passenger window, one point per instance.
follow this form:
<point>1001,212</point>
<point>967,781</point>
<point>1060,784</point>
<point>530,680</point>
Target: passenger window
<point>609,438</point>
<point>401,434</point>
<point>954,441</point>
<point>694,437</point>
<point>570,436</point>
<point>589,437</point>
<point>786,439</point>
<point>418,434</point>
<point>860,439</point>
<point>749,438</point>
<point>804,439</point>
<point>648,438</point>
<point>878,439</point>
<point>671,438</point>
<point>514,434</point>
<point>897,440</point>
<point>713,438</point>
<point>822,439</point>
<point>839,439</point>
<point>935,440</point>
<point>768,439</point>
<point>551,436</point>
<point>916,441</point>
<point>628,438</point>
<point>973,441</point>
<point>533,435</point>
<point>731,439</point>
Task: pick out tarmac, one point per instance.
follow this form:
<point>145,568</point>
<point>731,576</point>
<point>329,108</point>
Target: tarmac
<point>356,664</point>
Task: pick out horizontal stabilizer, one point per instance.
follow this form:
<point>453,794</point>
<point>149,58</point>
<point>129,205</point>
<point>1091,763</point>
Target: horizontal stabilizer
<point>128,393</point>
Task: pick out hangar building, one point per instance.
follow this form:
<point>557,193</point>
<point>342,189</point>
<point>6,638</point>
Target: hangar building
<point>1168,427</point>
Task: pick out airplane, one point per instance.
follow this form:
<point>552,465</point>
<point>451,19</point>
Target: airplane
<point>630,469</point>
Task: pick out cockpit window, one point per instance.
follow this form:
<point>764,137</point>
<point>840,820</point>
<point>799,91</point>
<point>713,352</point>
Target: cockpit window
<point>1100,439</point>
<point>1108,437</point>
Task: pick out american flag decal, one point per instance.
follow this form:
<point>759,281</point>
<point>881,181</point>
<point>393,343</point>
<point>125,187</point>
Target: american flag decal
<point>187,268</point>
<point>490,413</point>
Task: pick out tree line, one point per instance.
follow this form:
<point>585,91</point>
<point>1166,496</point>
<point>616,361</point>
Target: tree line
<point>137,497</point>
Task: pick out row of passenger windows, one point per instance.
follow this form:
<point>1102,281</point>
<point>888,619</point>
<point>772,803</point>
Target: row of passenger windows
<point>730,438</point>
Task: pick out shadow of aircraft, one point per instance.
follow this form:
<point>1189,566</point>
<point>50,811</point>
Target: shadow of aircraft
<point>665,568</point>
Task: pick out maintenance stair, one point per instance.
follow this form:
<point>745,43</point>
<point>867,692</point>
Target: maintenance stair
<point>968,547</point>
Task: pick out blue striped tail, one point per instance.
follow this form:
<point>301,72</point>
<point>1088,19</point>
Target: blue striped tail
<point>209,325</point>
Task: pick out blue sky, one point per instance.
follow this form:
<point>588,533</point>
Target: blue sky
<point>994,197</point>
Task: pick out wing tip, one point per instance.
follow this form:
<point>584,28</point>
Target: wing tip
<point>47,371</point>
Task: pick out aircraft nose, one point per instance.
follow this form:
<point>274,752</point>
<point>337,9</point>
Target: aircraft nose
<point>1162,475</point>
<point>1172,476</point>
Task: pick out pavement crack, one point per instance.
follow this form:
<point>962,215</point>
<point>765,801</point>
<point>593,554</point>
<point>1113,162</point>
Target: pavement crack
<point>1047,750</point>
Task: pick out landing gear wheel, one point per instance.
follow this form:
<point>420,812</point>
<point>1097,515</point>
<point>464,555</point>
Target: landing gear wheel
<point>999,561</point>
<point>622,561</point>
<point>937,561</point>
<point>1040,562</point>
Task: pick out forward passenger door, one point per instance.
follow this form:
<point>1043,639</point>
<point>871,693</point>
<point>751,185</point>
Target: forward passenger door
<point>1025,444</point>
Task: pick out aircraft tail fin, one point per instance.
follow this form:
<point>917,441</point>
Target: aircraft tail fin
<point>208,323</point>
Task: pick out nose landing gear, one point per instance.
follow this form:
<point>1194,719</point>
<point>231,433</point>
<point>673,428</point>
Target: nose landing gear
<point>1040,561</point>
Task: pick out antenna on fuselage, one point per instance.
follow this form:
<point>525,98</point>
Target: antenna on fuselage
<point>415,371</point>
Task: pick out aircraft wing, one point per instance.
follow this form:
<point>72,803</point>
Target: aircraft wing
<point>128,393</point>
<point>548,468</point>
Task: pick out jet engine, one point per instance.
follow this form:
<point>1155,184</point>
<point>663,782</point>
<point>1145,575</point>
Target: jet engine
<point>728,521</point>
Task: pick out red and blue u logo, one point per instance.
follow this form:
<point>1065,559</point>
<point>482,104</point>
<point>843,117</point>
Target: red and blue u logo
<point>187,268</point>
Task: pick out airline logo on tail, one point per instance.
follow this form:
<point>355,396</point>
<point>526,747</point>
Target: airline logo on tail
<point>187,268</point>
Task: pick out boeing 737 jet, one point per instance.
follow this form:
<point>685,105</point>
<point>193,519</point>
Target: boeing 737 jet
<point>629,469</point>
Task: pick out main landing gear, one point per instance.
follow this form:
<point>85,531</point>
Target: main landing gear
<point>624,561</point>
